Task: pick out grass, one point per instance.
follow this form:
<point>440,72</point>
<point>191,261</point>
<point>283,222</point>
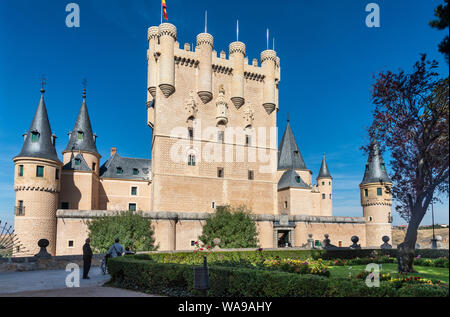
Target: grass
<point>432,273</point>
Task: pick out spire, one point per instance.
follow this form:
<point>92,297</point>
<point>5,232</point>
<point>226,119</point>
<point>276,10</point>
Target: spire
<point>82,138</point>
<point>375,168</point>
<point>324,172</point>
<point>39,139</point>
<point>289,156</point>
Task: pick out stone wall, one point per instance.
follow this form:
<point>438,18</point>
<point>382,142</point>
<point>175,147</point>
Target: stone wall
<point>37,263</point>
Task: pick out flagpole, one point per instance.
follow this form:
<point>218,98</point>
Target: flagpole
<point>267,38</point>
<point>161,11</point>
<point>237,30</point>
<point>206,21</point>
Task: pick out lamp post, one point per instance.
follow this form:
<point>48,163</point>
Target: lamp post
<point>433,240</point>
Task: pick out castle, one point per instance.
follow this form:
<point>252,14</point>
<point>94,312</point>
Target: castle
<point>213,121</point>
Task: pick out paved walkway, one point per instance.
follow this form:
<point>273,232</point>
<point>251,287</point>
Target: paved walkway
<point>53,283</point>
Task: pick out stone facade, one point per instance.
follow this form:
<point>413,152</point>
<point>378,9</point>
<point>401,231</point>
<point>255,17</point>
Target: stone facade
<point>214,119</point>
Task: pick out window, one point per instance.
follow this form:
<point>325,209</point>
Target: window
<point>119,171</point>
<point>383,167</point>
<point>20,170</point>
<point>367,167</point>
<point>220,172</point>
<point>135,171</point>
<point>34,137</point>
<point>80,136</point>
<point>379,191</point>
<point>64,205</point>
<point>340,244</point>
<point>133,191</point>
<point>70,243</point>
<point>329,183</point>
<point>366,192</point>
<point>40,171</point>
<point>298,179</point>
<point>213,204</point>
<point>251,175</point>
<point>132,207</point>
<point>323,196</point>
<point>20,209</point>
<point>191,133</point>
<point>285,204</point>
<point>192,243</point>
<point>57,174</point>
<point>248,140</point>
<point>323,183</point>
<point>220,137</point>
<point>370,218</point>
<point>94,166</point>
<point>191,160</point>
<point>77,162</point>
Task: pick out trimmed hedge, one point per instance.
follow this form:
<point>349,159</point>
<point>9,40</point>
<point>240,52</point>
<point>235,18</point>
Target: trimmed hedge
<point>233,257</point>
<point>177,280</point>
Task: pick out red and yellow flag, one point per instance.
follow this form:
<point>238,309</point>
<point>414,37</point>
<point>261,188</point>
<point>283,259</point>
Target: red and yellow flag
<point>164,9</point>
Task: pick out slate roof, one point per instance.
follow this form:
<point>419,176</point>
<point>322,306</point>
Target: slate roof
<point>83,124</point>
<point>72,166</point>
<point>375,169</point>
<point>109,168</point>
<point>324,172</point>
<point>289,155</point>
<point>290,179</point>
<point>44,147</point>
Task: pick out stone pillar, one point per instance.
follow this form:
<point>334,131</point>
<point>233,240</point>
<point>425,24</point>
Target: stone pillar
<point>205,43</point>
<point>237,55</point>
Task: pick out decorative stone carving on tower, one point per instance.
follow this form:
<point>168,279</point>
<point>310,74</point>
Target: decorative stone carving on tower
<point>237,55</point>
<point>222,107</point>
<point>191,106</point>
<point>269,63</point>
<point>249,115</point>
<point>205,43</point>
<point>167,37</point>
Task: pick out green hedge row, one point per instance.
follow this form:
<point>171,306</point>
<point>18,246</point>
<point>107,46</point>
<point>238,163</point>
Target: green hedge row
<point>253,256</point>
<point>177,280</point>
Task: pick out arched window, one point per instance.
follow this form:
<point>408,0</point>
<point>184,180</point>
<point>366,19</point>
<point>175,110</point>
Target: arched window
<point>248,135</point>
<point>191,160</point>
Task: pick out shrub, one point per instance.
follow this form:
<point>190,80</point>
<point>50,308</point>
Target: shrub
<point>233,226</point>
<point>131,228</point>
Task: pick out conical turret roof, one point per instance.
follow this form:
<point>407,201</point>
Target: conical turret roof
<point>375,169</point>
<point>290,179</point>
<point>324,171</point>
<point>289,155</point>
<point>38,142</point>
<point>85,141</point>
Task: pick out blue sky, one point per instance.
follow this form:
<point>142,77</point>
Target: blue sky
<point>328,59</point>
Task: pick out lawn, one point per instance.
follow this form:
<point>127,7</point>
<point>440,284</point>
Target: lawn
<point>432,273</point>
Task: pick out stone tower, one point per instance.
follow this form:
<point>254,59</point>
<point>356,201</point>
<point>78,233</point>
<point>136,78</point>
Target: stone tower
<point>376,198</point>
<point>325,185</point>
<point>37,184</point>
<point>80,173</point>
<point>202,93</point>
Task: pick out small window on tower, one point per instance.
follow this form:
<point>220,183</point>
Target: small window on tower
<point>191,133</point>
<point>119,171</point>
<point>379,191</point>
<point>133,191</point>
<point>251,175</point>
<point>57,174</point>
<point>366,192</point>
<point>77,162</point>
<point>20,170</point>
<point>135,171</point>
<point>94,166</point>
<point>191,160</point>
<point>367,167</point>
<point>213,204</point>
<point>34,137</point>
<point>383,167</point>
<point>40,171</point>
<point>323,196</point>
<point>248,140</point>
<point>323,183</point>
<point>64,205</point>
<point>220,172</point>
<point>285,204</point>
<point>298,179</point>
<point>70,243</point>
<point>80,135</point>
<point>132,207</point>
<point>220,137</point>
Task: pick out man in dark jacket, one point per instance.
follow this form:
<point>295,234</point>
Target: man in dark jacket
<point>87,258</point>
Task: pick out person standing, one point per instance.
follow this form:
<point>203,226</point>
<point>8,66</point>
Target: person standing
<point>87,258</point>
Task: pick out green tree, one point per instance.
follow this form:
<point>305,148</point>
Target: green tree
<point>130,227</point>
<point>442,23</point>
<point>233,226</point>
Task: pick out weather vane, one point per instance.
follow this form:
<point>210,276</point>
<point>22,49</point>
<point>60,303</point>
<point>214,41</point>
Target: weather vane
<point>43,82</point>
<point>84,82</point>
